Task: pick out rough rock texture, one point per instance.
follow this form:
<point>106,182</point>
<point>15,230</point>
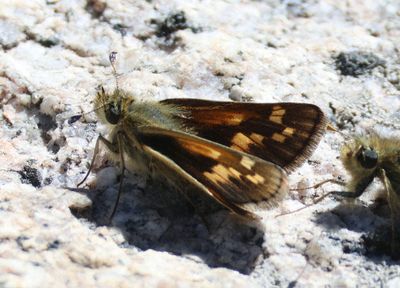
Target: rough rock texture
<point>340,55</point>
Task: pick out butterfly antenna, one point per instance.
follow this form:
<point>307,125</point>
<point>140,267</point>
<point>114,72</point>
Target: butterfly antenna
<point>77,117</point>
<point>113,58</point>
<point>74,118</point>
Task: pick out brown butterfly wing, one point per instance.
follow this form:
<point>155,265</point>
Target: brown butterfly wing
<point>236,180</point>
<point>283,133</point>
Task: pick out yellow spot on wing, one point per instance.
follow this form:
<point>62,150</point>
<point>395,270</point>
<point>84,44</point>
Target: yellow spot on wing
<point>275,119</point>
<point>257,138</point>
<point>221,170</point>
<point>277,114</point>
<point>235,119</point>
<point>277,107</point>
<point>201,149</point>
<point>288,131</point>
<point>278,137</point>
<point>241,140</point>
<point>221,174</point>
<point>234,172</point>
<point>256,179</point>
<point>247,162</point>
<point>223,118</point>
<point>214,177</point>
<point>236,147</point>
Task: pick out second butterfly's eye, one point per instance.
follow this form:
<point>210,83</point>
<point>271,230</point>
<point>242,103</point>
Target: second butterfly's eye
<point>113,112</point>
<point>368,158</point>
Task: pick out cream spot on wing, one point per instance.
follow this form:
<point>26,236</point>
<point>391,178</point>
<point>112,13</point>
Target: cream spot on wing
<point>221,170</point>
<point>234,172</point>
<point>275,119</point>
<point>256,179</point>
<point>277,107</point>
<point>241,140</point>
<point>247,162</point>
<point>288,131</point>
<point>278,137</point>
<point>224,118</point>
<point>214,177</point>
<point>201,149</point>
<point>236,147</point>
<point>257,138</point>
<point>235,119</point>
<point>221,174</point>
<point>277,115</point>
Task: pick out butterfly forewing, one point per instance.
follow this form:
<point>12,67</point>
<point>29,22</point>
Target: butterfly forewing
<point>283,133</point>
<point>237,180</point>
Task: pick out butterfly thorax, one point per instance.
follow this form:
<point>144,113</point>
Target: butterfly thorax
<point>154,114</point>
<point>121,109</point>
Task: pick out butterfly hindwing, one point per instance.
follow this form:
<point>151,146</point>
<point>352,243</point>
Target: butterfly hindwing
<point>282,133</point>
<point>236,180</point>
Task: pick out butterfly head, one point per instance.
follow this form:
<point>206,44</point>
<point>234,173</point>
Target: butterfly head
<point>367,157</point>
<point>112,107</point>
<point>359,156</point>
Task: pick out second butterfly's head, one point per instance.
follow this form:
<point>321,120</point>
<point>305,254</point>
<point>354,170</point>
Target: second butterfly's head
<point>360,157</point>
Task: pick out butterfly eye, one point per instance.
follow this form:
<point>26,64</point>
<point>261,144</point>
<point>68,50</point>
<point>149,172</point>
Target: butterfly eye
<point>368,158</point>
<point>113,112</point>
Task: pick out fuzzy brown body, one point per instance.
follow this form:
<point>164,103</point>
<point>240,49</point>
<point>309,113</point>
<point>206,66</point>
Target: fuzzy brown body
<point>371,156</point>
<point>236,153</point>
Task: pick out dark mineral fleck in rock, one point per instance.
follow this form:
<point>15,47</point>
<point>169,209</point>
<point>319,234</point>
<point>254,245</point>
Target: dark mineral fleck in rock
<point>357,63</point>
<point>30,175</point>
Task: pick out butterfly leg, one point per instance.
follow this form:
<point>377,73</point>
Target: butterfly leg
<point>115,148</point>
<point>120,140</point>
<point>319,199</point>
<point>358,189</point>
<point>315,186</point>
<point>111,146</point>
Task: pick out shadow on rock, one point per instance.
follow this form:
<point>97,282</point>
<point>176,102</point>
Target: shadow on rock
<point>352,216</point>
<point>162,220</point>
<point>372,221</point>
